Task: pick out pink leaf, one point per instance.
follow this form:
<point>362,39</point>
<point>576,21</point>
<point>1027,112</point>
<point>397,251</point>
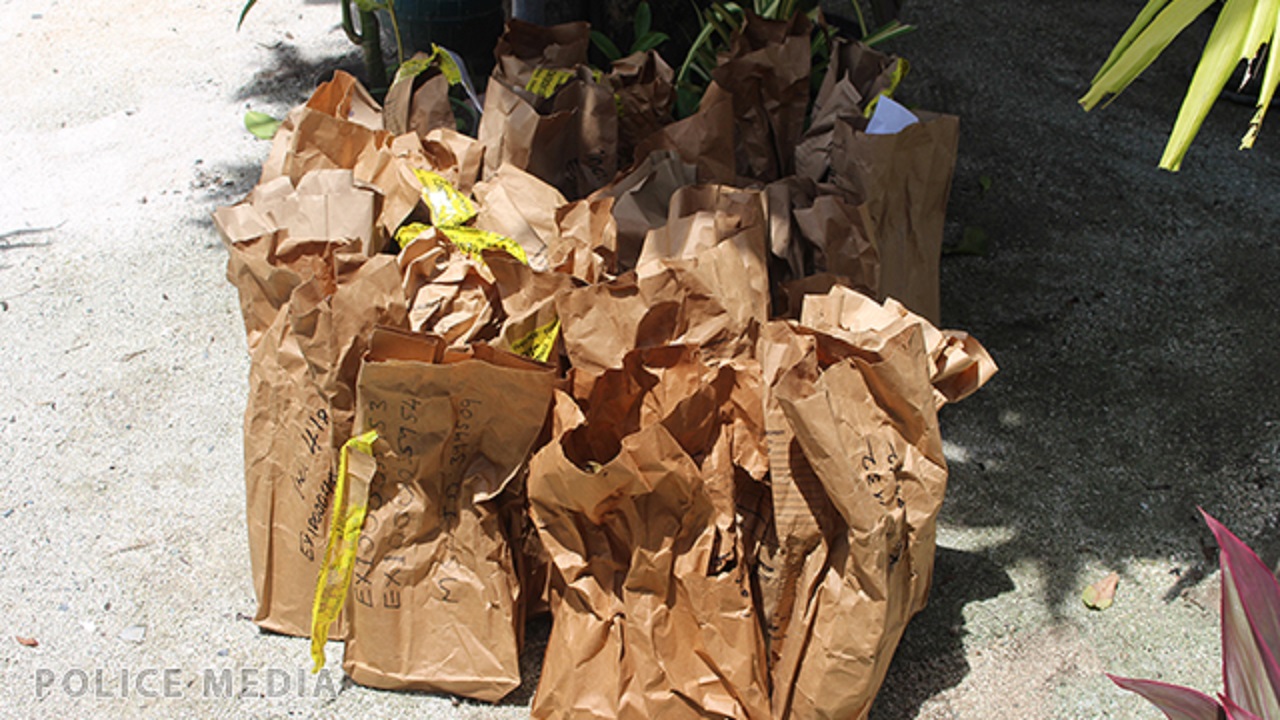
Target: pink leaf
<point>1250,626</point>
<point>1235,712</point>
<point>1177,702</point>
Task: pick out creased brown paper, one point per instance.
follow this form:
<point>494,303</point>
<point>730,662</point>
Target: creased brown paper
<point>767,75</point>
<point>654,615</point>
<point>525,47</point>
<point>904,180</point>
<point>436,602</point>
<point>569,139</point>
<point>858,479</point>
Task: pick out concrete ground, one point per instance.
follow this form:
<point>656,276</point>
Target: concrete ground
<point>1132,311</point>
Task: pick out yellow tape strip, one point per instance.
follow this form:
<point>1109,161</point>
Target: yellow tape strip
<point>408,233</point>
<point>538,344</point>
<point>449,208</point>
<point>544,81</point>
<point>340,552</point>
<point>900,69</point>
<point>472,241</point>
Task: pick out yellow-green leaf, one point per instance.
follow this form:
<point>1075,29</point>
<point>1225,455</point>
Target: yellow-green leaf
<point>1143,50</point>
<point>1222,52</point>
<point>261,125</point>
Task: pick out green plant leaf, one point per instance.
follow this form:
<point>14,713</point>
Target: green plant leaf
<point>887,32</point>
<point>261,124</point>
<point>862,20</point>
<point>644,20</point>
<point>649,42</point>
<point>1222,52</point>
<point>605,45</point>
<point>245,11</point>
<point>1146,45</point>
<point>984,182</point>
<point>370,5</point>
<point>1148,13</point>
<point>700,42</point>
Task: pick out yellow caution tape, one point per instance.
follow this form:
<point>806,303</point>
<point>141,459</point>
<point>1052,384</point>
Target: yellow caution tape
<point>340,552</point>
<point>408,233</point>
<point>900,69</point>
<point>449,208</point>
<point>473,241</point>
<point>544,82</point>
<point>538,344</point>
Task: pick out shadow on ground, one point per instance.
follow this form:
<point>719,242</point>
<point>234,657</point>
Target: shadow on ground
<point>1132,311</point>
<point>287,78</point>
<point>931,656</point>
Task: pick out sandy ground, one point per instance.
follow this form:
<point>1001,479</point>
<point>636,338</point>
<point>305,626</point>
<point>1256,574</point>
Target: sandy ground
<point>1132,311</point>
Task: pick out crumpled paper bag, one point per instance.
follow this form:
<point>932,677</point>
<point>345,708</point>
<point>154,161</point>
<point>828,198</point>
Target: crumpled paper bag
<point>274,237</point>
<point>449,293</point>
<point>708,301</point>
<point>904,180</point>
<point>705,138</point>
<point>856,77</point>
<point>644,91</point>
<point>766,72</point>
<point>641,198</point>
<point>858,479</point>
<point>435,601</point>
<point>418,99</point>
<point>303,322</point>
<point>653,607</point>
<point>818,229</point>
<point>568,138</point>
<point>701,218</point>
<point>520,206</point>
<point>525,47</point>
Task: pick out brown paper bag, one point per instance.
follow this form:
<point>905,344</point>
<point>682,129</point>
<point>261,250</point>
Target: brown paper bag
<point>858,478</point>
<point>822,229</point>
<point>705,138</point>
<point>322,298</point>
<point>436,603</point>
<point>701,218</point>
<point>654,615</point>
<point>277,234</point>
<point>959,365</point>
<point>641,198</point>
<point>525,47</point>
<point>344,97</point>
<point>418,102</point>
<point>588,246</point>
<point>708,301</point>
<point>904,180</point>
<point>449,294</point>
<point>644,91</point>
<point>569,139</point>
<point>518,205</point>
<point>856,76</point>
<point>333,318</point>
<point>767,75</point>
